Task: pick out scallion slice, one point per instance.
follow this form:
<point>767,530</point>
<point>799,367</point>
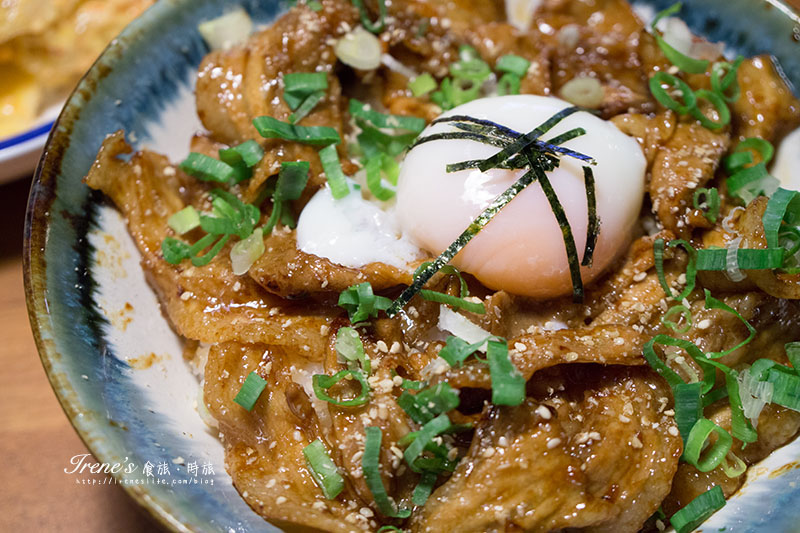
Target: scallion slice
<point>719,104</point>
<point>425,435</point>
<point>786,388</point>
<point>423,490</point>
<point>429,403</point>
<point>698,510</point>
<point>306,107</point>
<point>774,214</point>
<point>337,181</point>
<point>691,267</point>
<point>508,385</point>
<point>248,153</point>
<point>207,168</point>
<point>322,383</point>
<point>724,81</point>
<point>251,389</point>
<point>509,84</point>
<point>750,182</point>
<point>184,220</point>
<point>696,443</point>
<point>298,86</point>
<point>361,303</point>
<point>685,312</point>
<point>713,303</point>
<point>454,301</point>
<point>349,347</point>
<point>707,202</point>
<point>680,60</point>
<point>323,469</point>
<point>688,406</point>
<point>422,85</point>
<point>379,24</point>
<point>370,466</point>
<point>793,354</point>
<point>373,169</point>
<point>513,64</point>
<point>362,111</point>
<point>272,128</point>
<point>748,258</point>
<point>665,99</point>
<point>457,350</point>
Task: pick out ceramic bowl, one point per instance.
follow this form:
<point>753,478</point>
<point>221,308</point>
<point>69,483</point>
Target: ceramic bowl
<point>111,357</point>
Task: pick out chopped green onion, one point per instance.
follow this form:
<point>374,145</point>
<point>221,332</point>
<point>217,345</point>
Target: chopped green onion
<point>423,490</point>
<point>665,99</point>
<point>750,182</point>
<point>454,301</point>
<point>685,312</point>
<point>184,220</point>
<point>272,128</point>
<point>793,354</point>
<point>370,467</point>
<point>248,153</point>
<point>323,469</point>
<point>697,441</point>
<point>251,389</point>
<point>748,258</point>
<point>447,269</point>
<point>774,213</point>
<point>508,84</point>
<point>713,303</point>
<point>688,407</point>
<point>457,350</point>
<point>786,388</point>
<point>719,104</point>
<point>322,383</point>
<point>698,510</point>
<point>206,258</point>
<point>361,303</point>
<point>429,403</point>
<point>424,436</point>
<point>333,172</point>
<point>298,86</point>
<point>362,111</point>
<point>292,180</point>
<point>306,107</point>
<point>314,5</point>
<point>454,93</point>
<point>707,202</point>
<point>389,528</point>
<point>475,70</point>
<point>508,385</point>
<point>680,60</point>
<point>246,252</point>
<point>422,85</point>
<point>691,267</point>
<point>350,347</point>
<point>207,168</point>
<point>373,168</point>
<point>513,64</point>
<point>737,469</point>
<point>720,83</point>
<point>379,24</point>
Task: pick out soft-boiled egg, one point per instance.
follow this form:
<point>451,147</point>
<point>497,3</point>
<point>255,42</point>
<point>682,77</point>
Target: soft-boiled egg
<point>521,250</point>
<point>787,162</point>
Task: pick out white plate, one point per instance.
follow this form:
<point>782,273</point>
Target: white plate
<point>20,153</point>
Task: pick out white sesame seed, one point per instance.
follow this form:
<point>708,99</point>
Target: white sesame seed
<point>544,412</point>
<point>280,500</point>
<point>704,324</point>
<point>552,443</point>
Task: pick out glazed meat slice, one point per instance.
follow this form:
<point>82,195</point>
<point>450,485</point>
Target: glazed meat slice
<point>602,40</point>
<point>767,108</point>
<point>238,85</point>
<point>209,304</point>
<point>264,447</point>
<point>686,162</point>
<point>599,455</point>
<point>290,273</point>
<point>533,352</point>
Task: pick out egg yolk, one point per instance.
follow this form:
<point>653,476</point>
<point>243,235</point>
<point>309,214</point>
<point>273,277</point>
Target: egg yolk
<point>521,250</point>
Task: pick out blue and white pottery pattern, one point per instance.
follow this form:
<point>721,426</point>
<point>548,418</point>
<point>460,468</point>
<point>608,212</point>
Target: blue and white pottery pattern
<point>96,320</point>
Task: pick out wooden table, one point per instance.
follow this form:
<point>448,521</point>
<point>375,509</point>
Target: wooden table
<point>38,440</point>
